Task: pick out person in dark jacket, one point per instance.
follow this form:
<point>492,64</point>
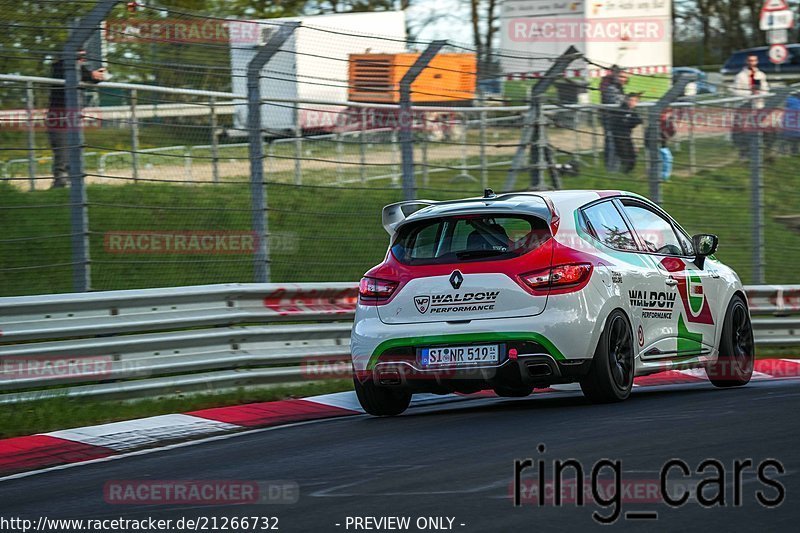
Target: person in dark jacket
<point>612,93</point>
<point>624,120</point>
<point>60,119</point>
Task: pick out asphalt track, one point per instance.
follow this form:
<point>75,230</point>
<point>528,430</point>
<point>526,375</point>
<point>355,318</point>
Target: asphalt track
<point>457,460</point>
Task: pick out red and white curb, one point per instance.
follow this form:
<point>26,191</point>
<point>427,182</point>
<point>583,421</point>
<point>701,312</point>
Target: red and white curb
<point>94,442</point>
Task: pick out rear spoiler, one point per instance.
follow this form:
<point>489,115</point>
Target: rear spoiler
<point>394,214</point>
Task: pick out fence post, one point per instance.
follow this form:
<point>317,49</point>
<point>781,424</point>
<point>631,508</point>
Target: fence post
<point>692,146</point>
<point>406,117</point>
<point>134,136</point>
<point>653,133</point>
<point>533,117</point>
<point>214,146</point>
<point>339,156</point>
<point>298,146</point>
<point>757,205</point>
<point>464,174</point>
<point>537,155</point>
<point>648,154</point>
<point>426,176</point>
<point>593,117</point>
<point>395,168</point>
<point>79,217</point>
<point>482,141</point>
<point>270,157</point>
<point>362,148</point>
<point>257,190</point>
<point>776,101</point>
<point>31,135</point>
<point>187,164</point>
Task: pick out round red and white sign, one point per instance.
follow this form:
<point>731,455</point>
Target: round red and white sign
<point>778,53</point>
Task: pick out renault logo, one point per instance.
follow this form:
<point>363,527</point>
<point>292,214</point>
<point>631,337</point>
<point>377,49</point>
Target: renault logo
<point>456,279</point>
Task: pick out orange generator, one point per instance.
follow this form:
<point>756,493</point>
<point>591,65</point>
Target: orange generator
<point>448,78</point>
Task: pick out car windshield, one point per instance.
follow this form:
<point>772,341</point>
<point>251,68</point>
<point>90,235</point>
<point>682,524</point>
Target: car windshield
<point>459,239</point>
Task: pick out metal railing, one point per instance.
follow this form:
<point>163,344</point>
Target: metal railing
<point>149,342</point>
<point>224,103</point>
<point>153,341</point>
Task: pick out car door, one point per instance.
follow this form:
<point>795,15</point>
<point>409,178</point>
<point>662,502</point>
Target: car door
<point>632,274</point>
<point>679,305</point>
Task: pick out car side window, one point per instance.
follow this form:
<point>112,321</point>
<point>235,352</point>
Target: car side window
<point>655,231</point>
<point>609,227</point>
<point>688,247</point>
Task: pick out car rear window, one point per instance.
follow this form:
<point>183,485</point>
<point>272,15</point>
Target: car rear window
<point>459,239</point>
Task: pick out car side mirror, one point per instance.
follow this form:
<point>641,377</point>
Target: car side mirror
<point>704,245</point>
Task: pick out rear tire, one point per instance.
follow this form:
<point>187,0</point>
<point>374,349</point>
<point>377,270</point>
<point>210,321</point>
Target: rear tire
<point>734,365</point>
<point>610,376</point>
<point>381,401</point>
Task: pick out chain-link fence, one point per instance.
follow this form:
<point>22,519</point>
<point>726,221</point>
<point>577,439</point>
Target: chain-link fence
<point>168,187</point>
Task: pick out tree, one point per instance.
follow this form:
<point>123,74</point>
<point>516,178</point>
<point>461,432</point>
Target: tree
<point>484,16</point>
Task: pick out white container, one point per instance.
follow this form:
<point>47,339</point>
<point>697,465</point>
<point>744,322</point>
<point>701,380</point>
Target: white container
<point>634,34</point>
<point>311,65</point>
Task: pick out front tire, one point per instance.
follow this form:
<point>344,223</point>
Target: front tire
<point>734,365</point>
<point>610,378</point>
<point>381,401</point>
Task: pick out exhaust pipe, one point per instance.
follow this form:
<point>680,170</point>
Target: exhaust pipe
<point>389,377</point>
<point>539,370</point>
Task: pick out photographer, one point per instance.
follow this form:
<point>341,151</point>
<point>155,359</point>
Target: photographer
<point>60,119</point>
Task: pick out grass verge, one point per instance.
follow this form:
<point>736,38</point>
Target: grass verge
<point>327,233</point>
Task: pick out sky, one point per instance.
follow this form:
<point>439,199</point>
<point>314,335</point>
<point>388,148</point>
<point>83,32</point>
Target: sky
<point>451,20</point>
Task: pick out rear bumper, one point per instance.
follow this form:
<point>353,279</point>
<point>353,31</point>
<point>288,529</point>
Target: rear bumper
<point>527,370</point>
<point>566,331</point>
<point>555,347</point>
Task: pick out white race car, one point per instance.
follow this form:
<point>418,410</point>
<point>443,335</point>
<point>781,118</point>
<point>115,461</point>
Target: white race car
<point>523,290</point>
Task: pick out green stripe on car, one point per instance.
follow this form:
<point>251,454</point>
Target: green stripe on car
<point>464,338</point>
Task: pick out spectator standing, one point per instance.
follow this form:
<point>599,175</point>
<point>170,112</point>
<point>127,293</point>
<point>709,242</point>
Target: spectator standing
<point>612,93</point>
<point>60,119</point>
<point>667,130</point>
<point>750,81</point>
<point>625,120</point>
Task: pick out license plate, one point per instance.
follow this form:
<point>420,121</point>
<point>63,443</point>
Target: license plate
<point>459,355</point>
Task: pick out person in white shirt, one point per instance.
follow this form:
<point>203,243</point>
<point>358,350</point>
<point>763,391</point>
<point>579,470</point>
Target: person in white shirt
<point>749,81</point>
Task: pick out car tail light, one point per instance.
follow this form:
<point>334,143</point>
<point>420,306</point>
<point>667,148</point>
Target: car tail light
<point>564,278</point>
<point>374,290</point>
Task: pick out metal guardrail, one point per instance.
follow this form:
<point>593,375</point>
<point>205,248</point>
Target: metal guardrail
<point>772,307</point>
<point>135,343</point>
